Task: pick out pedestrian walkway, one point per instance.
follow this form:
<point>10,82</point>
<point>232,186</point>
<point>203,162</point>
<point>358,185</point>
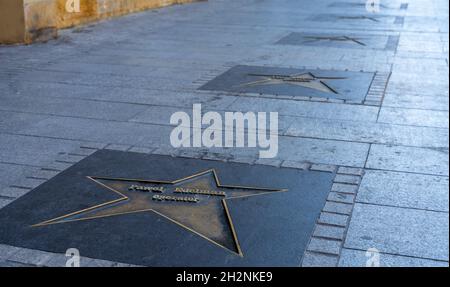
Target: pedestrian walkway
<point>115,84</point>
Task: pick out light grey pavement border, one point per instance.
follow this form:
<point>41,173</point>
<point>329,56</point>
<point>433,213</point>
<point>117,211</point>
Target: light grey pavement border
<point>115,85</point>
<point>326,243</point>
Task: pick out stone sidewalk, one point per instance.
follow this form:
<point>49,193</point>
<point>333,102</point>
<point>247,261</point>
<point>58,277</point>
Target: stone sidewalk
<point>114,84</point>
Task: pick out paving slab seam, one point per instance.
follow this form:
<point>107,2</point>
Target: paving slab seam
<point>369,103</point>
<point>401,207</point>
<point>51,259</point>
<point>227,109</point>
<point>403,255</point>
<point>409,172</point>
<point>377,90</point>
<point>326,243</point>
<point>62,161</point>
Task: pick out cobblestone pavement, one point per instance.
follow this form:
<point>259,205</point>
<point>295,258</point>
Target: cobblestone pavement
<point>114,84</point>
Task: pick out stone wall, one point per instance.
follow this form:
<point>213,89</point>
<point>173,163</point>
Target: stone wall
<point>28,21</point>
<point>11,21</point>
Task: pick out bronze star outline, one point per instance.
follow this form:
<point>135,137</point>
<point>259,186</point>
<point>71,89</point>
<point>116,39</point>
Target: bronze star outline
<point>306,80</point>
<point>333,38</point>
<point>118,206</point>
<point>363,17</point>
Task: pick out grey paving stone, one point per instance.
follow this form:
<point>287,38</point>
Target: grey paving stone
<point>324,246</point>
<point>226,157</point>
<point>332,232</point>
<point>43,174</point>
<point>408,159</point>
<point>118,147</point>
<point>166,150</point>
<point>311,259</point>
<point>22,149</point>
<point>283,122</point>
<point>69,158</point>
<point>306,109</point>
<point>338,207</point>
<point>89,262</point>
<point>83,151</point>
<point>363,131</point>
<point>350,170</point>
<point>416,101</point>
<point>11,193</point>
<point>321,151</point>
<point>122,133</point>
<point>414,117</point>
<point>30,256</point>
<point>348,179</point>
<point>248,160</point>
<point>10,173</point>
<point>84,67</point>
<point>27,183</point>
<point>58,260</point>
<point>92,145</point>
<point>125,265</point>
<point>99,80</point>
<point>5,201</point>
<point>412,88</point>
<point>296,164</point>
<point>272,162</point>
<point>14,264</point>
<point>193,152</point>
<point>373,101</point>
<point>344,188</point>
<point>399,231</point>
<point>71,107</point>
<point>181,99</point>
<point>57,166</point>
<point>405,190</point>
<point>358,258</point>
<point>7,251</point>
<point>159,114</point>
<point>333,219</point>
<point>341,197</point>
<point>17,121</point>
<point>323,167</point>
<point>141,149</point>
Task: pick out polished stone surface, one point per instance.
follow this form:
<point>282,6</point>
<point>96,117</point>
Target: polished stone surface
<point>93,207</point>
<point>348,41</point>
<point>117,82</point>
<point>343,85</point>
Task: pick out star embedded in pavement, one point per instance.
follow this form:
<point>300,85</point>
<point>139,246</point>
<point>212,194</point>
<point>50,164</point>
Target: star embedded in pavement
<point>333,38</point>
<point>306,80</point>
<point>197,203</point>
<point>359,18</point>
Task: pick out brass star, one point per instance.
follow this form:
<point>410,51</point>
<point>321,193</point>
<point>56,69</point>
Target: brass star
<point>197,203</point>
<point>359,18</point>
<point>333,38</point>
<point>307,80</point>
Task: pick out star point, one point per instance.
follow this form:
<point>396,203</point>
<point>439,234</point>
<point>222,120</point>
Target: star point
<point>306,80</point>
<point>197,203</point>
